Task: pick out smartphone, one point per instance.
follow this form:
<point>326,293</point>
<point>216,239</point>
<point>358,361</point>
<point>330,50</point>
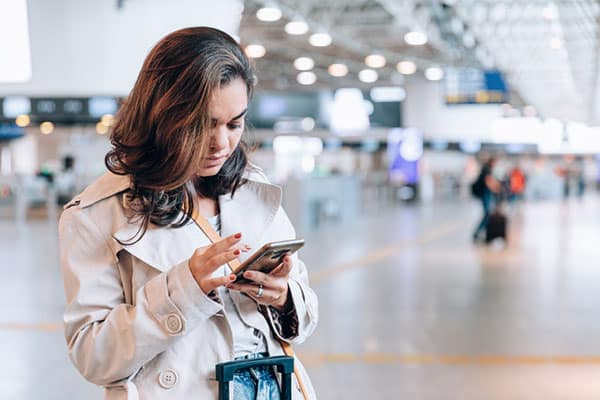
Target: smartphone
<point>267,258</point>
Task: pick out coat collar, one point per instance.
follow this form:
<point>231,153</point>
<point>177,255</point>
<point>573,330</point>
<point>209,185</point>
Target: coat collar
<point>250,211</point>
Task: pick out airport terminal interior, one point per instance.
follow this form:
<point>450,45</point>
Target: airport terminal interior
<point>440,158</point>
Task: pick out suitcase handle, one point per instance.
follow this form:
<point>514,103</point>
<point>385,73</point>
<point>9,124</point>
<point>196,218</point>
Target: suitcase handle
<point>284,365</point>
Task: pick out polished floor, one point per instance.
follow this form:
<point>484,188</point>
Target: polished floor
<point>410,308</point>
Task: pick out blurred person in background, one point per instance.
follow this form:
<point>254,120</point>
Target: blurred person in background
<point>580,177</point>
<point>517,182</point>
<point>152,306</point>
<point>66,181</point>
<point>485,187</point>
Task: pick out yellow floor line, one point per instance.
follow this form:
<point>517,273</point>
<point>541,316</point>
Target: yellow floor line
<point>384,252</point>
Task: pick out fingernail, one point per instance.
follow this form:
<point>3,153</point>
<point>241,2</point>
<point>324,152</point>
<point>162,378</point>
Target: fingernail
<point>231,277</point>
<point>248,274</point>
<point>238,235</point>
<point>236,252</point>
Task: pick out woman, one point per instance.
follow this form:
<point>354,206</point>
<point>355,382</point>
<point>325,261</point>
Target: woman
<point>151,307</point>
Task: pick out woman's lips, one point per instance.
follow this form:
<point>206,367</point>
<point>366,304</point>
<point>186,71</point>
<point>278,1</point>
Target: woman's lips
<point>214,161</point>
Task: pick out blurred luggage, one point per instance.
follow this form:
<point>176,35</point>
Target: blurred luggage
<point>496,226</point>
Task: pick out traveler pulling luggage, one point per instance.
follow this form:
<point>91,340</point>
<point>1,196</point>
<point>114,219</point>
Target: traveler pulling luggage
<point>485,188</point>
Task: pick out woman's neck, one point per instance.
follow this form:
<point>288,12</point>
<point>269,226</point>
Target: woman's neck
<point>207,207</point>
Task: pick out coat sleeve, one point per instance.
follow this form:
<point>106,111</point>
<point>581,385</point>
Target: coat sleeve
<point>108,340</point>
<point>305,312</point>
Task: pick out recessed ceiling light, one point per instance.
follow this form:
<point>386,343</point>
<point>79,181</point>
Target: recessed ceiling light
<point>23,120</point>
<point>47,127</point>
<point>255,51</point>
<point>375,61</point>
<point>320,39</point>
<point>296,27</point>
<point>306,78</point>
<point>304,63</point>
<point>268,14</point>
<point>338,70</point>
<point>434,73</point>
<point>406,67</point>
<point>415,38</point>
<point>368,75</point>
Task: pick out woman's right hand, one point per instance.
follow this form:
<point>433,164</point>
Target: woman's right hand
<point>207,260</point>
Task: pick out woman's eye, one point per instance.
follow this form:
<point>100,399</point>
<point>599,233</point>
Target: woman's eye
<point>234,126</point>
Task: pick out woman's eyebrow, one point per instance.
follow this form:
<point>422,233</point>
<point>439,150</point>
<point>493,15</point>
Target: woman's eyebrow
<point>240,115</point>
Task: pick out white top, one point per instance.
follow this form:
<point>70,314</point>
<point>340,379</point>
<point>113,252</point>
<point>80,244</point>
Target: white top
<point>246,339</point>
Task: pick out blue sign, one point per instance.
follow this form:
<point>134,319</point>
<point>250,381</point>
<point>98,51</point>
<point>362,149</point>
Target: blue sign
<point>11,131</point>
<point>475,86</point>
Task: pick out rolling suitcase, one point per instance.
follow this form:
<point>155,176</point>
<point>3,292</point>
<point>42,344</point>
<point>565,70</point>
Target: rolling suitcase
<point>284,365</point>
<point>496,226</point>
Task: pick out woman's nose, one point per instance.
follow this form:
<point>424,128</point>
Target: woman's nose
<point>219,138</point>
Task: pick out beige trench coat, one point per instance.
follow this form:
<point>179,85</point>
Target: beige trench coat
<point>136,322</point>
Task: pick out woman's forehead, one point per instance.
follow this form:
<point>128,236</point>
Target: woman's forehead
<point>229,101</point>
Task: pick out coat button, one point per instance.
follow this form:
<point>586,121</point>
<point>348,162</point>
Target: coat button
<point>167,379</point>
<point>173,324</point>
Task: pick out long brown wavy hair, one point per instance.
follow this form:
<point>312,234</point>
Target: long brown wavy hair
<point>162,130</point>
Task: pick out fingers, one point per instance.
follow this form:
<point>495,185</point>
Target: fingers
<point>223,258</point>
<point>268,296</point>
<point>224,244</point>
<point>213,283</point>
<point>284,268</point>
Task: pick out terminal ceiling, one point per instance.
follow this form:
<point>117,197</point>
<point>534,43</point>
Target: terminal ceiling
<point>547,50</point>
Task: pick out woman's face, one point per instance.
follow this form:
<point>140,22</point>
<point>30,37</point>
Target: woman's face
<point>227,110</point>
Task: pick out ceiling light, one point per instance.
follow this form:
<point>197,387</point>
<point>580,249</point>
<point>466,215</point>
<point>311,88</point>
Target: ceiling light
<point>306,78</point>
<point>23,120</point>
<point>268,14</point>
<point>296,27</point>
<point>406,67</point>
<point>107,119</point>
<point>47,127</point>
<point>375,61</point>
<point>304,63</point>
<point>368,75</point>
<point>387,93</point>
<point>550,12</point>
<point>415,38</point>
<point>338,70</point>
<point>556,43</point>
<point>255,51</point>
<point>434,73</point>
<point>320,39</point>
<point>101,129</point>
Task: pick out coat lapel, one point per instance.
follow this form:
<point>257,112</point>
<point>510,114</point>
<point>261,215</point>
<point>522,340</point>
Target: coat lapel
<point>163,248</point>
<point>250,211</point>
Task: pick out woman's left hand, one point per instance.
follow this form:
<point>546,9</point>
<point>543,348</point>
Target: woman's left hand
<point>268,289</point>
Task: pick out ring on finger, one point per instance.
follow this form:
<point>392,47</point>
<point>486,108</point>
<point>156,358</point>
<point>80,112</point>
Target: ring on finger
<point>259,293</point>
